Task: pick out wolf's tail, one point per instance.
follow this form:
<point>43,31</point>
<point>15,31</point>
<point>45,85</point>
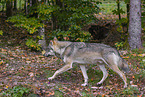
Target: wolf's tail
<point>123,65</point>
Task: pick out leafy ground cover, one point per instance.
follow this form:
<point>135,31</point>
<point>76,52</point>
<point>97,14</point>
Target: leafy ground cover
<point>25,73</point>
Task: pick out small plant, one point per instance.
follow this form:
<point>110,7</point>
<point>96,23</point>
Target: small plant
<point>30,24</point>
<point>33,44</point>
<point>85,94</point>
<point>142,64</point>
<point>58,93</point>
<point>74,33</point>
<point>1,32</point>
<point>131,91</point>
<point>17,91</point>
<point>119,45</point>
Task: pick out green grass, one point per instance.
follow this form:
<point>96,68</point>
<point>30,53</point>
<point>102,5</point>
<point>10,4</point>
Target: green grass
<point>108,7</point>
<point>58,93</point>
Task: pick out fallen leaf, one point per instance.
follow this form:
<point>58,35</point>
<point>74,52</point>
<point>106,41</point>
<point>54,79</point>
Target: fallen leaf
<point>141,55</point>
<point>95,87</point>
<point>134,85</point>
<point>28,62</point>
<point>31,74</point>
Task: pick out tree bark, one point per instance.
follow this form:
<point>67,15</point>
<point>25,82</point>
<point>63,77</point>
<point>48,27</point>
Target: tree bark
<point>118,8</point>
<point>135,25</point>
<point>127,6</point>
<point>42,41</point>
<point>26,7</point>
<point>20,7</point>
<point>15,4</point>
<point>8,8</point>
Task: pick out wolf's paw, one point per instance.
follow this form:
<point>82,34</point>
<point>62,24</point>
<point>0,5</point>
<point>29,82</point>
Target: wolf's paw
<point>125,86</point>
<point>99,83</point>
<point>50,78</point>
<point>85,84</point>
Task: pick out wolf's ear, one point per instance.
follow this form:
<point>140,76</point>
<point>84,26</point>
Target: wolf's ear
<point>55,39</point>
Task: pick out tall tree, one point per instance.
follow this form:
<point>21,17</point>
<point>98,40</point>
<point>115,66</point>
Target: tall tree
<point>8,8</point>
<point>26,7</point>
<point>15,4</point>
<point>118,8</point>
<point>135,24</point>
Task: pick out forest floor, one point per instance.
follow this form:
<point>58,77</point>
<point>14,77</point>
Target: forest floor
<point>24,72</point>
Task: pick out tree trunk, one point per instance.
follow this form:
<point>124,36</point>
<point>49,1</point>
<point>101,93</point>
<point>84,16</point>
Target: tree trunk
<point>54,16</point>
<point>33,3</point>
<point>118,8</point>
<point>8,8</point>
<point>15,4</point>
<point>20,7</point>
<point>26,7</point>
<point>127,6</point>
<point>42,41</point>
<point>135,25</point>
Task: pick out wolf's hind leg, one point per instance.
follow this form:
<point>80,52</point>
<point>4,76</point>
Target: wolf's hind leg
<point>83,68</point>
<point>122,75</point>
<point>113,61</point>
<point>105,74</point>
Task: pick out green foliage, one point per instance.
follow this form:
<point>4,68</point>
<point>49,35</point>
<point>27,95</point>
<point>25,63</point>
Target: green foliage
<point>117,12</point>
<point>138,56</point>
<point>142,71</point>
<point>16,91</point>
<point>143,16</point>
<point>142,65</point>
<point>40,37</point>
<point>74,34</point>
<point>45,11</point>
<point>75,12</point>
<point>126,1</point>
<point>30,24</point>
<point>85,94</point>
<point>120,22</point>
<point>1,32</point>
<point>78,35</point>
<point>108,5</point>
<point>124,35</point>
<point>33,44</point>
<point>58,94</point>
<point>119,45</point>
<point>67,20</point>
<point>131,91</point>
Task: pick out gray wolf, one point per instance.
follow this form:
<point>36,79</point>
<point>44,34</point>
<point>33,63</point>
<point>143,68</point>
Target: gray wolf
<point>87,53</point>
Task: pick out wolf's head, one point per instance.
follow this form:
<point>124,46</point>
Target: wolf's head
<point>52,48</point>
<point>124,66</point>
<point>56,47</point>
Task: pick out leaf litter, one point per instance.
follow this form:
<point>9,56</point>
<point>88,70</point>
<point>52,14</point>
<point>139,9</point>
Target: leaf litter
<point>31,69</point>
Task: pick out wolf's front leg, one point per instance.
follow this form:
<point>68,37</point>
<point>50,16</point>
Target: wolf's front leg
<point>105,74</point>
<point>61,70</point>
<point>83,68</point>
